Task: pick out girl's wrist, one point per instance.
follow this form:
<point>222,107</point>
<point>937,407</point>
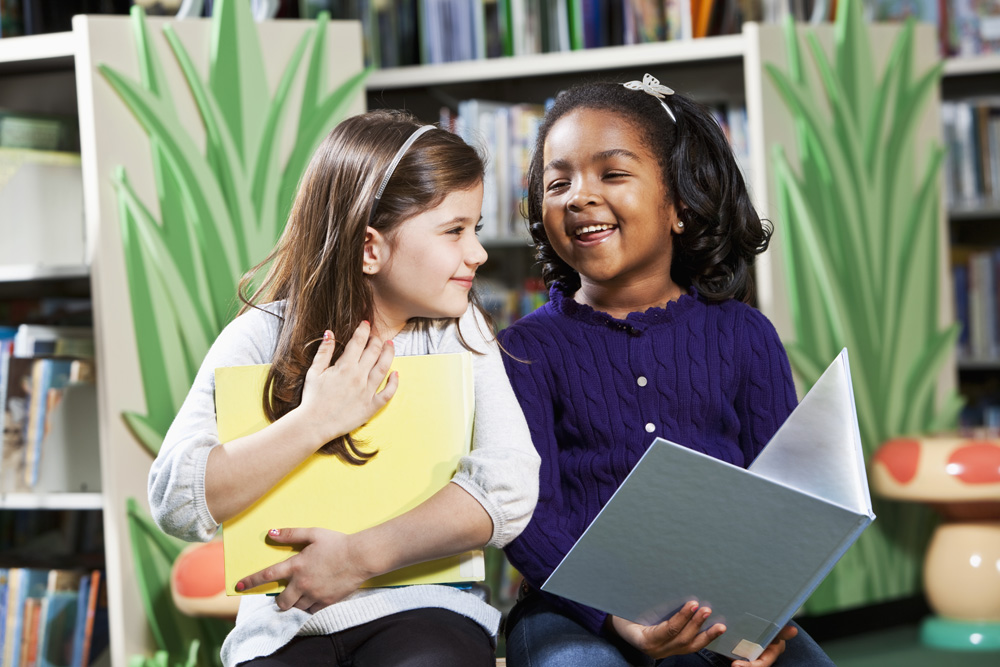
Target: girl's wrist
<point>307,430</point>
<point>369,558</point>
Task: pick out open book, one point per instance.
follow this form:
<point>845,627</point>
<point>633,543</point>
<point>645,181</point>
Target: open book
<point>420,436</point>
<point>751,544</point>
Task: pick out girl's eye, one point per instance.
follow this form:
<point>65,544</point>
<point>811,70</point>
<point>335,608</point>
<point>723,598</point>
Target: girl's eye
<point>555,185</point>
<point>479,227</point>
<point>455,230</point>
<point>615,174</point>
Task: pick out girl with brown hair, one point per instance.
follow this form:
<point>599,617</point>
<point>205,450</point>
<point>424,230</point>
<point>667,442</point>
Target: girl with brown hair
<point>378,258</point>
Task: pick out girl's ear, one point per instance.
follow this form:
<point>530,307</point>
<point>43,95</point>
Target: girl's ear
<point>376,252</point>
<point>680,214</point>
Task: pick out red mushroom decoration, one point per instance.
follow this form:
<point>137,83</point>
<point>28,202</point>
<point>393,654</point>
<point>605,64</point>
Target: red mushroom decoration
<point>960,478</point>
<point>198,582</point>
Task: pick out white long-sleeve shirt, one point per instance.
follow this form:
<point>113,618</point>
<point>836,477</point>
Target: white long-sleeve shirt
<point>501,473</point>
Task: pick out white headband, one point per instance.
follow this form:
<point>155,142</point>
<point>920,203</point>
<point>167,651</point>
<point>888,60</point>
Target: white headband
<point>392,165</point>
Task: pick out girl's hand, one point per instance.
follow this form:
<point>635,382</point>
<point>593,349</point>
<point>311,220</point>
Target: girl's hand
<point>678,635</point>
<point>773,650</point>
<point>338,399</point>
<point>324,572</point>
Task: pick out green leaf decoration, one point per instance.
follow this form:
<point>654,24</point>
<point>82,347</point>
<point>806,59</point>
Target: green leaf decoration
<point>222,208</point>
<point>162,658</point>
<point>144,432</point>
<point>859,224</point>
<point>154,554</point>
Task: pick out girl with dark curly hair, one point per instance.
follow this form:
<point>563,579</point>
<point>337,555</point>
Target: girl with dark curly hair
<point>646,235</point>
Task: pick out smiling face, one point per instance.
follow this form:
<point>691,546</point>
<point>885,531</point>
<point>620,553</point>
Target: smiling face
<point>426,268</point>
<point>605,207</point>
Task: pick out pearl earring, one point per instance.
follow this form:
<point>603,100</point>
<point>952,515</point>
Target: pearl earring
<point>680,224</point>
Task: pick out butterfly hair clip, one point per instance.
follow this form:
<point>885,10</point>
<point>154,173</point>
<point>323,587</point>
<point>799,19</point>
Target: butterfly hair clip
<point>652,86</point>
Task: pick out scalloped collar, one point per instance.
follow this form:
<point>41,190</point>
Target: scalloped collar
<point>634,323</point>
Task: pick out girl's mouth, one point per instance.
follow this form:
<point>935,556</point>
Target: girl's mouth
<point>591,234</point>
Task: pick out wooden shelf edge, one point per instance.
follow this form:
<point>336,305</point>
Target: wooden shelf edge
<point>37,47</point>
<point>963,213</point>
<point>27,272</point>
<point>52,501</point>
<point>564,62</point>
<point>970,65</point>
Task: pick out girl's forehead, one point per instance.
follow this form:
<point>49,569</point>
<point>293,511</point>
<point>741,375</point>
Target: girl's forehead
<point>593,131</point>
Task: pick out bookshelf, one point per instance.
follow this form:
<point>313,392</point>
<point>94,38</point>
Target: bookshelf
<point>37,76</point>
<point>975,226</point>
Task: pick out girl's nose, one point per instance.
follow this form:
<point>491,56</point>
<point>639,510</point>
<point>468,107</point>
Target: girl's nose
<point>582,196</point>
<point>477,254</point>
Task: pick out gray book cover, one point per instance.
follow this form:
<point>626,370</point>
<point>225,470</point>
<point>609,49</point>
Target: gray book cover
<point>751,544</point>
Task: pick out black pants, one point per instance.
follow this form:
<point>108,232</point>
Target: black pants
<point>419,638</point>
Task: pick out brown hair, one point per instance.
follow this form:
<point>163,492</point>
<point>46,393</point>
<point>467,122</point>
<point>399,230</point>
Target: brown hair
<point>316,266</point>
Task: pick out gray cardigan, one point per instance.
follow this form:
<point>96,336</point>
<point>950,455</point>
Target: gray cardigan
<point>501,473</point>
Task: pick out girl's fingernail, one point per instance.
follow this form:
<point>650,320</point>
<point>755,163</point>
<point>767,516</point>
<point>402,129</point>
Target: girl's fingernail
<point>327,335</point>
<point>391,343</point>
<point>366,322</point>
<point>274,532</point>
<point>239,586</point>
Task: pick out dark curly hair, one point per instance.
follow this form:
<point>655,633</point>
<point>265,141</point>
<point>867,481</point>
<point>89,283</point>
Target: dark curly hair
<point>722,232</point>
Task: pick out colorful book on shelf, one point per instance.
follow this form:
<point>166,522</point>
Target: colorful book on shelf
<point>11,615</point>
<point>49,379</point>
<point>4,587</point>
<point>24,584</point>
<point>80,625</point>
<point>57,619</point>
<point>420,437</point>
<point>91,621</point>
<point>29,637</point>
<point>40,340</point>
<point>751,544</point>
<point>17,397</point>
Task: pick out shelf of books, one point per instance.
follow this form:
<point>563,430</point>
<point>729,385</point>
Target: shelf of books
<point>53,601</point>
<point>971,118</point>
<point>53,595</point>
<point>562,63</point>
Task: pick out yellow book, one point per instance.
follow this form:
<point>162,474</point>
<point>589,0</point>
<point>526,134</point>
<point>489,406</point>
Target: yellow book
<point>420,436</point>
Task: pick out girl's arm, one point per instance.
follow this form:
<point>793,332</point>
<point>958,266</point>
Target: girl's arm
<point>489,501</point>
<point>333,565</point>
<point>767,392</point>
<point>501,472</point>
<point>187,499</point>
<point>335,400</point>
<point>550,535</point>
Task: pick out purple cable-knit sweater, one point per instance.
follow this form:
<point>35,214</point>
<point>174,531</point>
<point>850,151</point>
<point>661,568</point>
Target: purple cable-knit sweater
<point>597,391</point>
